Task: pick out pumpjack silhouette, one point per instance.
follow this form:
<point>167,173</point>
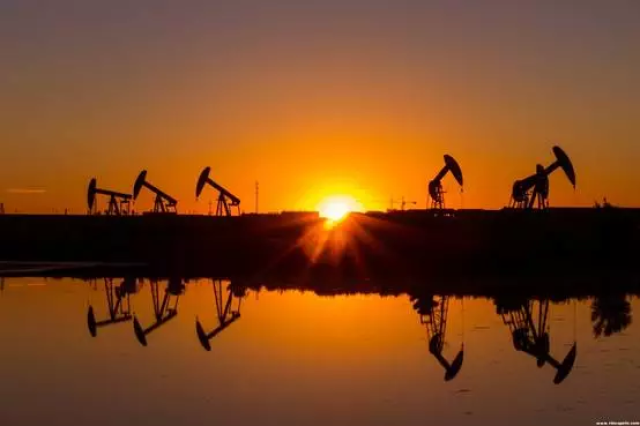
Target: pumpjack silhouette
<point>118,304</point>
<point>527,191</point>
<point>164,309</point>
<point>227,310</point>
<point>433,312</point>
<point>529,327</point>
<point>436,191</point>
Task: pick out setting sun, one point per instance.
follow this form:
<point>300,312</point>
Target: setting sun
<point>334,211</point>
<point>336,208</point>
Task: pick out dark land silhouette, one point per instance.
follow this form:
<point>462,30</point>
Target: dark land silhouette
<point>442,244</point>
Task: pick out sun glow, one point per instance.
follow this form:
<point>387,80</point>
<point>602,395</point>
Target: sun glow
<point>337,207</point>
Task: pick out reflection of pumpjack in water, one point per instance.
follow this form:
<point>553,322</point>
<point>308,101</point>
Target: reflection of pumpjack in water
<point>164,309</point>
<point>433,315</point>
<point>118,304</point>
<point>225,311</point>
<point>532,337</point>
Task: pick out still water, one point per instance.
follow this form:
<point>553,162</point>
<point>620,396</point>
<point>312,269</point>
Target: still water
<point>296,358</point>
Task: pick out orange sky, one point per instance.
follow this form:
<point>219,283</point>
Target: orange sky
<point>358,98</point>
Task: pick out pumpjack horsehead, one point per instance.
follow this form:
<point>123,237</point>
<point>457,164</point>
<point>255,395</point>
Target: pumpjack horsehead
<point>436,192</point>
<point>536,187</point>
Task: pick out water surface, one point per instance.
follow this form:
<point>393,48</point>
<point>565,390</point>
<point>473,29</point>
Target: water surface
<point>298,358</point>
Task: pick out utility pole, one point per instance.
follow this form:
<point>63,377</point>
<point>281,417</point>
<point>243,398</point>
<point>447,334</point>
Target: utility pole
<point>257,196</point>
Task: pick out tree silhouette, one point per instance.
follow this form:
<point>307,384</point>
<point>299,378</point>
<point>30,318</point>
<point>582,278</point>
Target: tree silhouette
<point>610,314</point>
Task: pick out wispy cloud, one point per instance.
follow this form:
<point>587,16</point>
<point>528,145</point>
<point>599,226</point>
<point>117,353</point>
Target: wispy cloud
<point>26,191</point>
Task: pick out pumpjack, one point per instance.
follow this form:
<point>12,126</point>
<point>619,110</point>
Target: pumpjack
<point>436,192</point>
<point>226,199</point>
<point>225,311</point>
<point>530,334</point>
<point>118,304</point>
<point>164,309</point>
<point>534,188</point>
<point>164,203</point>
<point>433,312</point>
<point>119,203</point>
